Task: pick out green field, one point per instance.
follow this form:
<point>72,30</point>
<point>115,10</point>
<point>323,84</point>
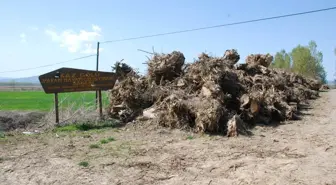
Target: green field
<point>38,100</point>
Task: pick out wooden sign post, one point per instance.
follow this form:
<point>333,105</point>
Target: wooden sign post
<point>75,80</point>
<point>56,108</point>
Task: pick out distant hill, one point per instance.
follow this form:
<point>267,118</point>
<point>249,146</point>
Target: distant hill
<point>32,79</point>
<point>3,79</point>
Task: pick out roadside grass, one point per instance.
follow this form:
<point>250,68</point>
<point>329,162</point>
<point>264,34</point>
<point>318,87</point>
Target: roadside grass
<point>94,146</point>
<point>83,163</point>
<point>102,141</point>
<point>111,139</point>
<point>2,135</point>
<point>190,137</point>
<point>40,101</point>
<point>87,126</point>
<point>3,159</point>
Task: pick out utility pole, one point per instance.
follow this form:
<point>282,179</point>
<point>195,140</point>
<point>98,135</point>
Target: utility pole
<point>97,65</point>
<point>56,108</point>
<point>98,93</point>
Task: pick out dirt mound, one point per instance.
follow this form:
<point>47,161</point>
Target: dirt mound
<point>11,120</point>
<point>213,94</point>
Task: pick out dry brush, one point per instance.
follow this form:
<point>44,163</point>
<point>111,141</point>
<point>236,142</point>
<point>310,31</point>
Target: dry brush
<point>213,94</point>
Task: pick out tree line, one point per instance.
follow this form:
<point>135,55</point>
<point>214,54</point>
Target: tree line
<point>303,59</point>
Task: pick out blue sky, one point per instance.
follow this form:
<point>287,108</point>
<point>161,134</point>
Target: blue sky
<point>39,32</point>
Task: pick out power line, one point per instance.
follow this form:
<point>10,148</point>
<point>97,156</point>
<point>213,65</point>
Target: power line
<point>221,25</point>
<point>26,69</point>
<point>181,31</point>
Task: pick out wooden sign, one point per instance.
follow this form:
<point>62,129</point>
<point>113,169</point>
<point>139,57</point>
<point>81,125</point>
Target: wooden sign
<point>75,80</point>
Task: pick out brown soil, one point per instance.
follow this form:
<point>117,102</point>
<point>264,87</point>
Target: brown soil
<point>298,152</point>
<point>20,120</point>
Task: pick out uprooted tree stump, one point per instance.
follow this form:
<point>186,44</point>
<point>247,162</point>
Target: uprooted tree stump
<point>258,59</point>
<point>213,94</point>
<point>166,66</point>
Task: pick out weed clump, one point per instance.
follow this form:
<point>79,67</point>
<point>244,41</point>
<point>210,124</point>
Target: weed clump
<point>190,137</point>
<point>111,139</point>
<point>94,146</point>
<point>83,163</point>
<point>86,126</point>
<point>104,141</point>
<point>2,135</point>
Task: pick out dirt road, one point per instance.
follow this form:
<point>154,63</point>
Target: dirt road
<point>300,152</point>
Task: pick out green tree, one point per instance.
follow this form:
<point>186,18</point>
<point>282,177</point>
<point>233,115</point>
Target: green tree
<point>305,60</point>
<point>308,61</point>
<point>302,60</point>
<point>317,66</point>
<point>282,60</point>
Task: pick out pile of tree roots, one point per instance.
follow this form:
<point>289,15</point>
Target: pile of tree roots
<point>212,94</point>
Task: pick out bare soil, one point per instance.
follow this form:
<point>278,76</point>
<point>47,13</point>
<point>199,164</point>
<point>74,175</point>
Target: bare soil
<point>20,120</point>
<point>298,152</point>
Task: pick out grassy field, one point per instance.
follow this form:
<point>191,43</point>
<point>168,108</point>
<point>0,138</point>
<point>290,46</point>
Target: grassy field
<point>38,100</point>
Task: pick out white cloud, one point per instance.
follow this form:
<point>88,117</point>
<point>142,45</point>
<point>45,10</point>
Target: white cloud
<point>23,37</point>
<point>34,28</point>
<point>96,28</point>
<point>89,49</point>
<point>54,36</point>
<point>76,41</point>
